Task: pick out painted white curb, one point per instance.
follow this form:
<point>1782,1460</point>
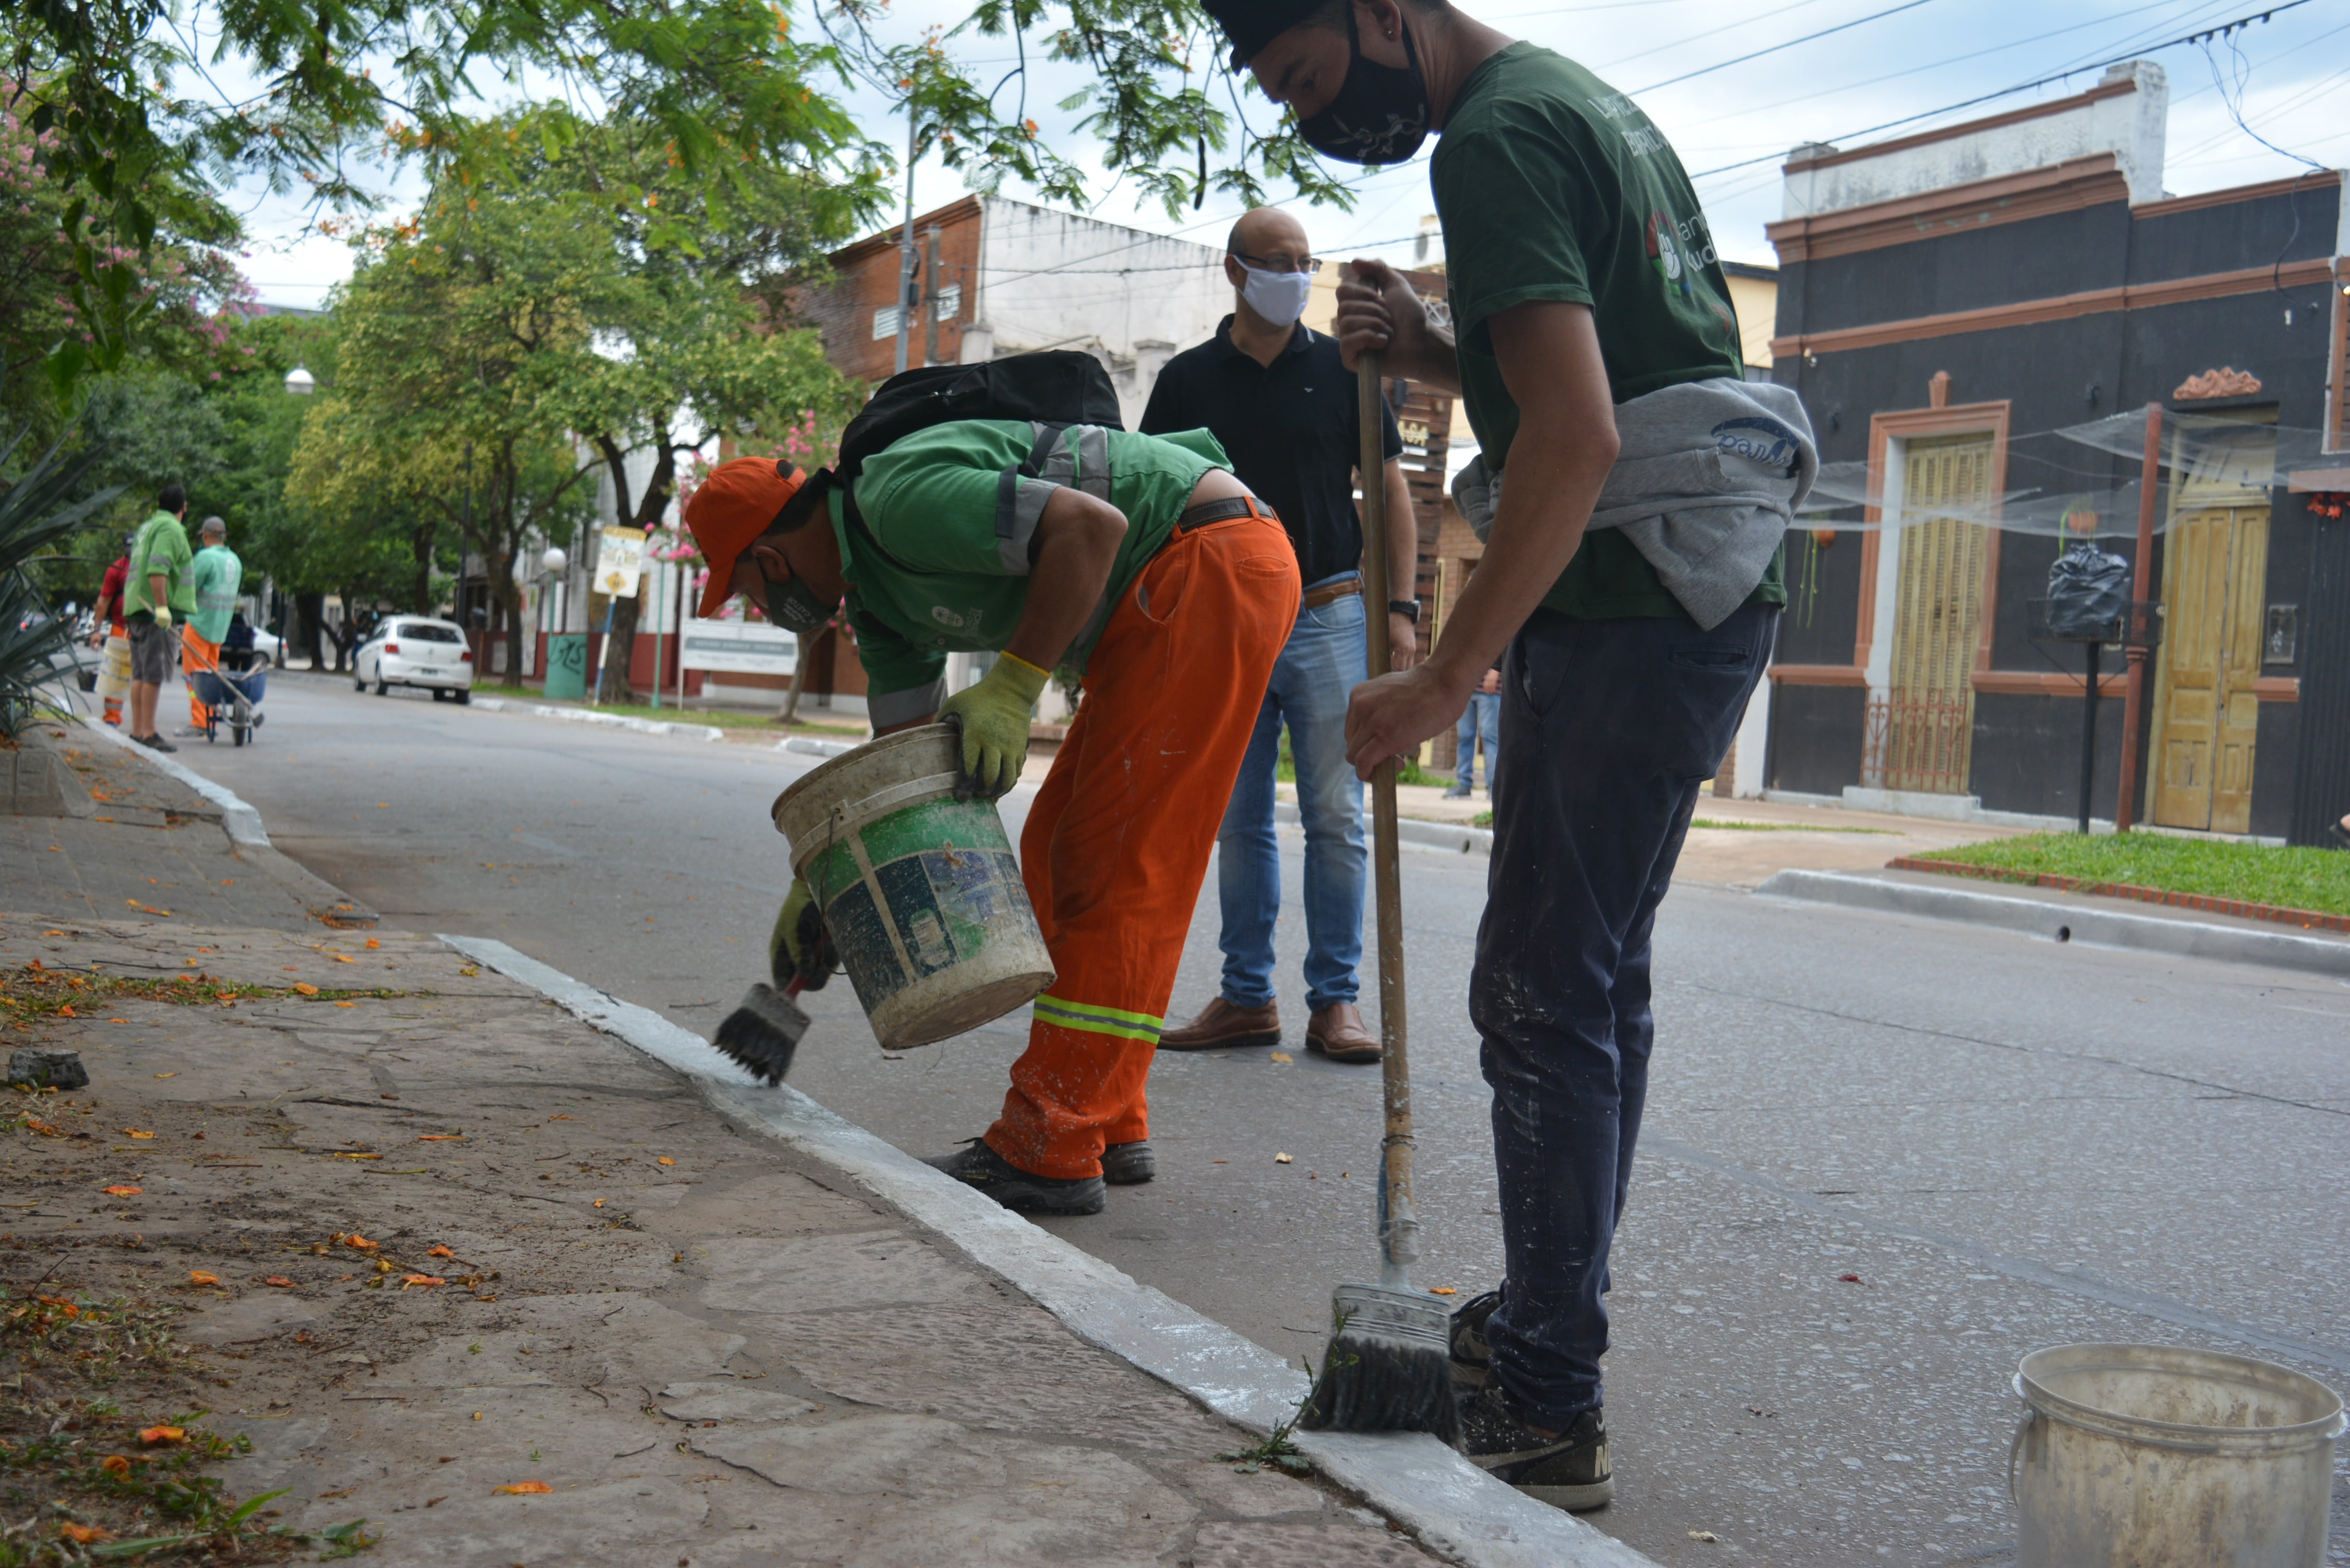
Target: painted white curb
<point>242,822</point>
<point>1458,839</point>
<point>2065,922</point>
<point>808,745</point>
<point>1455,1508</point>
<point>610,721</point>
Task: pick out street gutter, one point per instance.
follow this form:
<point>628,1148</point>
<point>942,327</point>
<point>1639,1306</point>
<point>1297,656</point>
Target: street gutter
<point>1455,1507</point>
<point>2059,918</point>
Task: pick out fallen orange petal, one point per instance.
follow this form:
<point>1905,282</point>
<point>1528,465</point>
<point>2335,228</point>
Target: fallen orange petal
<point>280,1280</point>
<point>345,957</point>
<point>1442,1290</point>
<point>362,1242</point>
<point>115,1463</point>
<point>84,1535</point>
<point>134,1132</point>
<point>558,1118</point>
<point>373,942</point>
<point>153,1435</point>
<point>408,1280</point>
<point>438,1253</point>
<point>348,1156</point>
<point>306,988</point>
<point>599,1203</point>
<point>521,1488</point>
<point>667,1160</point>
<point>203,1277</point>
<point>67,1012</point>
<point>346,1005</point>
<point>124,1191</point>
<point>438,1138</point>
<point>167,1074</point>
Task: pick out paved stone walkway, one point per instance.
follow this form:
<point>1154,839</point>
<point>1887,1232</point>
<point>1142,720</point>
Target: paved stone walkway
<point>704,1355</point>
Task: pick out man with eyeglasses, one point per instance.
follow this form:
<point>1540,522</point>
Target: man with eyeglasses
<point>1276,396</point>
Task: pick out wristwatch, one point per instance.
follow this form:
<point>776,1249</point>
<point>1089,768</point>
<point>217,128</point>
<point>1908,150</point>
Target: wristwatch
<point>1408,608</point>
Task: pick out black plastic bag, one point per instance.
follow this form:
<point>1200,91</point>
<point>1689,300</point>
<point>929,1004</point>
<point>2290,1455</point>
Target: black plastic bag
<point>2088,595</point>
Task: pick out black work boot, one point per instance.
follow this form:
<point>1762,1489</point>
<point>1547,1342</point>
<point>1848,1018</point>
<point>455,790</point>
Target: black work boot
<point>1129,1164</point>
<point>1471,1355</point>
<point>1568,1471</point>
<point>976,1164</point>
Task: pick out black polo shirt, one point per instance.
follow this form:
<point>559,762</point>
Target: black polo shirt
<point>1290,429</point>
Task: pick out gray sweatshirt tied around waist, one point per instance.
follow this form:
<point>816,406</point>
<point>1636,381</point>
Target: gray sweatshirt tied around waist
<point>1707,479</point>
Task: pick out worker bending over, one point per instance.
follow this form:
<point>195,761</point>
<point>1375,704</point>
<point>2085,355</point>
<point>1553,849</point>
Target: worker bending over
<point>1140,561</point>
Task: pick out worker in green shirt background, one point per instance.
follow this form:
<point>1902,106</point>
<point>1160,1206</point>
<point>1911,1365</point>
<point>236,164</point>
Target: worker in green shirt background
<point>1631,586</point>
<point>217,575</point>
<point>158,592</point>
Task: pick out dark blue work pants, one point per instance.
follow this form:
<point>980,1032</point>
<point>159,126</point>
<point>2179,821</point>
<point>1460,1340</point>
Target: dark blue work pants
<point>1609,728</point>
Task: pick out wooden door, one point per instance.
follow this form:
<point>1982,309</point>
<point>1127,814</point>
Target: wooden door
<point>1938,616</point>
<point>2215,576</point>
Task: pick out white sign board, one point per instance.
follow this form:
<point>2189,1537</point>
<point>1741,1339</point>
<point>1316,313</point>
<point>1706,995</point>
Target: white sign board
<point>619,562</point>
<point>738,648</point>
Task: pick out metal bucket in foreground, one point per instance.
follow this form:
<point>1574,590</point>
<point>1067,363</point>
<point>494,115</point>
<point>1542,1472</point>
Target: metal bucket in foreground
<point>919,890</point>
<point>2143,1456</point>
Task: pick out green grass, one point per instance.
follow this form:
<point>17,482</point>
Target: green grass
<point>2315,879</point>
<point>718,718</point>
<point>1779,826</point>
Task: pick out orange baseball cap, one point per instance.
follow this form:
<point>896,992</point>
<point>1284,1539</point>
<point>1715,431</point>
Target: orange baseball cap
<point>739,502</point>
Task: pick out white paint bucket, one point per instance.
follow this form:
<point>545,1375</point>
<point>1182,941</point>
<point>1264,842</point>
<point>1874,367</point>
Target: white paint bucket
<point>920,891</point>
<point>2142,1456</point>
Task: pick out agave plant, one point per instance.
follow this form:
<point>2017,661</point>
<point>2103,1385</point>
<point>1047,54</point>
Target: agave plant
<point>37,512</point>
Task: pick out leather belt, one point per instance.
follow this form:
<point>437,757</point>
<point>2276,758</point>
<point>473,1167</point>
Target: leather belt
<point>1330,593</point>
<point>1224,511</point>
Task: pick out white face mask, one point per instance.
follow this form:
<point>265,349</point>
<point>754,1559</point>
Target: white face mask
<point>1278,297</point>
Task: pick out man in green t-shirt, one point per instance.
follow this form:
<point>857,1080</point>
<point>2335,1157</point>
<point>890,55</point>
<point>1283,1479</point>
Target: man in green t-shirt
<point>216,577</point>
<point>1590,314</point>
<point>1139,560</point>
<point>157,591</point>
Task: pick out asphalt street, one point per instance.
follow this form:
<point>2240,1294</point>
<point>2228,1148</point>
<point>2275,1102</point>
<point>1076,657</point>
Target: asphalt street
<point>1885,1159</point>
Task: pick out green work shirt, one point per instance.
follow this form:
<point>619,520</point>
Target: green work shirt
<point>160,549</point>
<point>1554,186</point>
<point>940,564</point>
<point>218,574</point>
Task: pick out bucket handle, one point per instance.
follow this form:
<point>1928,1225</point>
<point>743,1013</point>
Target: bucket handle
<point>2015,1449</point>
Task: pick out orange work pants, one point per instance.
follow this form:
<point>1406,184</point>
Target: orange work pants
<point>1116,845</point>
<point>196,654</point>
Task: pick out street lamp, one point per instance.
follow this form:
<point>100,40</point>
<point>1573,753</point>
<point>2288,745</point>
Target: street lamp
<point>300,383</point>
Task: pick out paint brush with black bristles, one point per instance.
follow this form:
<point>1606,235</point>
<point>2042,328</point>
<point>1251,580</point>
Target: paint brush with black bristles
<point>764,1032</point>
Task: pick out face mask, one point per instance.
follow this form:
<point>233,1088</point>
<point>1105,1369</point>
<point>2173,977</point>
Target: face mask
<point>1381,115</point>
<point>795,607</point>
<point>1278,297</point>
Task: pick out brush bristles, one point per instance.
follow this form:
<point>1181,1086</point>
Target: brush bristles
<point>1372,1382</point>
<point>763,1033</point>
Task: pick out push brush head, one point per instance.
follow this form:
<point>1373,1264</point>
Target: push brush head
<point>763,1033</point>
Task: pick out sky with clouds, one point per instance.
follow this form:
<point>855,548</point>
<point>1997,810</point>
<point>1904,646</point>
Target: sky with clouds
<point>1685,61</point>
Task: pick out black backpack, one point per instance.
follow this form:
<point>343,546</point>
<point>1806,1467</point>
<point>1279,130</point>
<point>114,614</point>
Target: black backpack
<point>1055,388</point>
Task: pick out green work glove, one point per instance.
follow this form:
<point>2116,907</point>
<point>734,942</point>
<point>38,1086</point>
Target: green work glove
<point>163,616</point>
<point>995,719</point>
<point>799,947</point>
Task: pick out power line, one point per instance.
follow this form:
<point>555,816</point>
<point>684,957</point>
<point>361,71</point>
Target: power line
<point>1808,38</point>
<point>2025,86</point>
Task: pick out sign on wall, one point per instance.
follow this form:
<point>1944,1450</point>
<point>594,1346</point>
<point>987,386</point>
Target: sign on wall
<point>738,648</point>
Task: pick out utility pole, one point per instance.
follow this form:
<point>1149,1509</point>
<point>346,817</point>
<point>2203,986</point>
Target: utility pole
<point>906,250</point>
<point>931,297</point>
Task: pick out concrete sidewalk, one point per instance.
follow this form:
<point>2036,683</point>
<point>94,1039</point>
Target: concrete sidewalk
<point>456,1263</point>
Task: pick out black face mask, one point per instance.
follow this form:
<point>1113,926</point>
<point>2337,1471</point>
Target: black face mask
<point>796,607</point>
<point>1381,115</point>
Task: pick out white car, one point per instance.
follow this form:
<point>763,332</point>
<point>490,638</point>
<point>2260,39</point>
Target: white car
<point>409,650</point>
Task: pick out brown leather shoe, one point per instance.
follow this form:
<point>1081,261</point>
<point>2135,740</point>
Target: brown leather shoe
<point>1336,1030</point>
<point>1220,1026</point>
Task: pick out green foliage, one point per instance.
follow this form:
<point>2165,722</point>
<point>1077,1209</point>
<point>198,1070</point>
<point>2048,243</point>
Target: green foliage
<point>38,510</point>
<point>2315,879</point>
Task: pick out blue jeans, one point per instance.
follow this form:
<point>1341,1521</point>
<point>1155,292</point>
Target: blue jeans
<point>1483,715</point>
<point>1613,726</point>
<point>1325,658</point>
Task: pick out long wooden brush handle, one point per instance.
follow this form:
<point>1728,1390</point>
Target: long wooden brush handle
<point>1399,1227</point>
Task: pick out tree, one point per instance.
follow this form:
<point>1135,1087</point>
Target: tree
<point>590,289</point>
<point>722,82</point>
